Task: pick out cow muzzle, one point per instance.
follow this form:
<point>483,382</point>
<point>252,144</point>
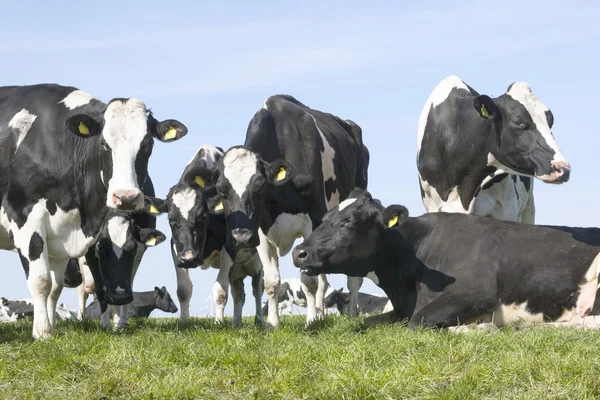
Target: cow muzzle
<point>119,296</point>
<point>245,238</point>
<point>127,200</point>
<point>560,174</point>
<point>301,260</point>
<point>189,259</point>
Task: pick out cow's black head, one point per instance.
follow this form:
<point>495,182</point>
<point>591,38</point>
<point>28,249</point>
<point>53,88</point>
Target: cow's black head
<point>350,238</point>
<point>125,134</point>
<point>521,140</point>
<point>120,243</point>
<point>163,300</point>
<point>338,299</point>
<point>249,186</point>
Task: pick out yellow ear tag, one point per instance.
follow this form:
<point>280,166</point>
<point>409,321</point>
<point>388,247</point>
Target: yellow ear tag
<point>153,209</point>
<point>484,111</point>
<point>281,174</point>
<point>393,221</point>
<point>151,241</point>
<point>83,129</point>
<point>170,134</point>
<point>200,181</point>
<point>219,206</point>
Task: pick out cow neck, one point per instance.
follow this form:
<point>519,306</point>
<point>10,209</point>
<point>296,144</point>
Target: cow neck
<point>143,305</point>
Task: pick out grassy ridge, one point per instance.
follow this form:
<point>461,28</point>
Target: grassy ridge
<point>338,359</point>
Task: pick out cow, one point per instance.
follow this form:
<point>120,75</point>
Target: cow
<point>142,305</point>
<point>445,269</point>
<point>15,310</point>
<point>295,164</point>
<point>367,303</point>
<point>198,229</point>
<point>291,293</point>
<point>478,155</point>
<point>66,158</point>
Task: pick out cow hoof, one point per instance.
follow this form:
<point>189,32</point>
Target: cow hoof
<point>259,321</point>
<point>237,324</point>
<point>386,318</point>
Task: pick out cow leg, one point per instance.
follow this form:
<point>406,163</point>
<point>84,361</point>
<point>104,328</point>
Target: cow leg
<point>122,318</point>
<point>320,296</point>
<point>221,286</point>
<point>452,310</point>
<point>270,261</point>
<point>257,292</point>
<point>528,215</point>
<point>185,288</point>
<point>310,285</point>
<point>105,317</point>
<point>239,298</point>
<point>82,297</point>
<point>58,267</point>
<point>354,284</point>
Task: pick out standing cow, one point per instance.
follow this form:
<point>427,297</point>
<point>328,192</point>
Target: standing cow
<point>66,158</point>
<point>296,164</point>
<point>478,155</point>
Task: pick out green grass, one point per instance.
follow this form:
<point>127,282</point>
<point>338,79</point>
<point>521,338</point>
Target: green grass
<point>337,359</point>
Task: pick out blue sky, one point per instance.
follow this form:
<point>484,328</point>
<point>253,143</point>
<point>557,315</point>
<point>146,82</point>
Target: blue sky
<point>212,66</point>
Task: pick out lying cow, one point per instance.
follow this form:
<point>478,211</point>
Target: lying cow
<point>367,303</point>
<point>142,305</point>
<point>445,269</point>
<point>198,230</point>
<point>15,310</point>
<point>291,293</point>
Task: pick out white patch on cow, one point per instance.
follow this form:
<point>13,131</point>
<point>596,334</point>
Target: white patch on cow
<point>117,232</point>
<point>516,314</point>
<point>373,276</point>
<point>22,122</point>
<point>346,203</point>
<point>521,92</point>
<point>76,98</point>
<point>264,106</point>
<point>327,166</point>
<point>184,200</point>
<point>433,202</point>
<point>286,229</point>
<point>588,289</point>
<point>214,260</point>
<point>437,97</point>
<point>239,167</point>
<point>124,129</point>
<point>211,155</point>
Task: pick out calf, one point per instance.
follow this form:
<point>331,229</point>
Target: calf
<point>198,229</point>
<point>367,303</point>
<point>296,164</point>
<point>67,158</point>
<point>510,273</point>
<point>14,310</point>
<point>291,293</point>
<point>478,155</point>
<point>142,305</point>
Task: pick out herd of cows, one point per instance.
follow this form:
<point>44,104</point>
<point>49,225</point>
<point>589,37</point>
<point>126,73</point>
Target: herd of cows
<point>79,208</point>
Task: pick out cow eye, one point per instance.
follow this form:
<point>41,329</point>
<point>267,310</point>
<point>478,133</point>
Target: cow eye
<point>522,125</point>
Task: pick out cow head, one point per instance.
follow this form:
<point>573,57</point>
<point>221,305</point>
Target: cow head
<point>121,242</point>
<point>248,187</point>
<point>521,140</point>
<point>338,299</point>
<point>125,134</point>
<point>349,239</point>
<point>163,300</point>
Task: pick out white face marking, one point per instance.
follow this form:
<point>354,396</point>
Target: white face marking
<point>521,92</point>
<point>76,98</point>
<point>184,201</point>
<point>211,155</point>
<point>125,127</point>
<point>327,156</point>
<point>239,167</point>
<point>373,276</point>
<point>117,232</point>
<point>264,107</point>
<point>437,97</point>
<point>22,122</point>
<point>346,203</point>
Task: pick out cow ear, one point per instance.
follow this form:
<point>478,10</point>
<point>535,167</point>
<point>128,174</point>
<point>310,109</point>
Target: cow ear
<point>279,172</point>
<point>83,126</point>
<point>151,237</point>
<point>156,290</point>
<point>394,215</point>
<point>485,106</point>
<point>154,206</point>
<point>169,130</point>
<point>199,177</point>
<point>215,205</point>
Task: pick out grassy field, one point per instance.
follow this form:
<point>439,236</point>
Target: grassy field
<point>338,359</point>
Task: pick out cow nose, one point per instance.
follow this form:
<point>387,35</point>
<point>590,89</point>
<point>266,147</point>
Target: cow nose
<point>562,171</point>
<point>126,199</point>
<point>186,256</point>
<point>241,236</point>
<point>299,255</point>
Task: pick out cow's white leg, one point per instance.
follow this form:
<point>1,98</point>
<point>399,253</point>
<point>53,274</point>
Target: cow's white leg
<point>58,267</point>
<point>270,261</point>
<point>239,298</point>
<point>82,297</point>
<point>320,296</point>
<point>289,304</point>
<point>87,287</point>
<point>310,285</point>
<point>221,286</point>
<point>105,317</point>
<point>354,284</point>
<point>257,292</point>
<point>185,288</point>
<point>122,318</point>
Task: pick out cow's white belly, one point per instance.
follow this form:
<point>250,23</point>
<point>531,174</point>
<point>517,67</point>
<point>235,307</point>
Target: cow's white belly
<point>286,229</point>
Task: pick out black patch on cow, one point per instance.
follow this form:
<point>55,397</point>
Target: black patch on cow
<point>494,180</point>
<point>300,295</point>
<point>24,263</point>
<point>36,246</point>
<point>51,207</point>
<point>329,188</point>
<point>526,182</point>
<point>550,118</point>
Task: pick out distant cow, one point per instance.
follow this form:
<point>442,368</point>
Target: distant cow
<point>198,230</point>
<point>142,305</point>
<point>445,269</point>
<point>367,303</point>
<point>291,293</point>
<point>14,310</point>
<point>296,164</point>
<point>66,158</point>
<point>478,155</point>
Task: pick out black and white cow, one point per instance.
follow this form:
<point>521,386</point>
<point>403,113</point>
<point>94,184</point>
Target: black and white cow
<point>65,158</point>
<point>142,305</point>
<point>295,165</point>
<point>367,303</point>
<point>14,310</point>
<point>478,155</point>
<point>291,293</point>
<point>198,230</point>
<point>444,269</point>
